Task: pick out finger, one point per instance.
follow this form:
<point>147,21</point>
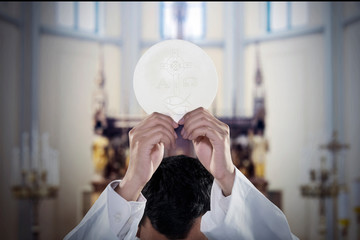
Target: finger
<point>205,131</point>
<point>202,117</point>
<point>164,125</point>
<point>155,130</point>
<point>158,120</point>
<point>191,114</point>
<point>198,111</point>
<point>184,120</point>
<point>200,121</point>
<point>156,137</point>
<point>163,117</point>
<point>171,134</point>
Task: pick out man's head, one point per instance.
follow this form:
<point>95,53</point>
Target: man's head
<point>178,194</point>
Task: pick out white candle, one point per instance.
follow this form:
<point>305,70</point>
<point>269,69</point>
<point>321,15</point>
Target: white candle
<point>15,167</point>
<point>53,174</point>
<point>56,168</point>
<point>34,150</point>
<point>49,167</point>
<point>356,193</point>
<point>343,205</point>
<point>25,151</point>
<point>44,152</point>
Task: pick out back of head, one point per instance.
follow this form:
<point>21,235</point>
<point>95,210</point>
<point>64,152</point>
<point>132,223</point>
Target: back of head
<point>177,194</point>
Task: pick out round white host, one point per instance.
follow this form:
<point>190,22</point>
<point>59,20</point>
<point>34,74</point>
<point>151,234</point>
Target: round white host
<point>174,77</point>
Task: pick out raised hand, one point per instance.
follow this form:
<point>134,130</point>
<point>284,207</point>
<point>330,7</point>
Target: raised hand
<point>211,139</point>
<point>147,142</point>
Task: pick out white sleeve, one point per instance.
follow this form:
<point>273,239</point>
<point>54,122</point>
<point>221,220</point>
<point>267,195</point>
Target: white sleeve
<point>245,214</point>
<point>111,217</point>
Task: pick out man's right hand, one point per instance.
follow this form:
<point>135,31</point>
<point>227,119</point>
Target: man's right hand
<point>147,142</point>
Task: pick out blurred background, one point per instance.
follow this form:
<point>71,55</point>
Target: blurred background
<point>289,83</point>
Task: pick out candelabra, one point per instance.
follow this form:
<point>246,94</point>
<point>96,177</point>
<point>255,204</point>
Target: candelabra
<point>35,178</point>
<point>324,184</point>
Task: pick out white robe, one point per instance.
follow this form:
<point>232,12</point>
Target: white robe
<point>245,214</point>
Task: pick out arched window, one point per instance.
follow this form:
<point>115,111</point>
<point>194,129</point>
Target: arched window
<point>182,20</point>
<point>286,15</point>
<point>81,16</point>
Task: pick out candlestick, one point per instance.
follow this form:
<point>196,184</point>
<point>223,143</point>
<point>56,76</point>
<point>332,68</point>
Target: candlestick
<point>343,212</point>
<point>32,179</point>
<point>327,185</point>
<point>356,193</point>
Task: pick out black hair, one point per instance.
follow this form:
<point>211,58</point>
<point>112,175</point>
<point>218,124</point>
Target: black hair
<point>177,194</point>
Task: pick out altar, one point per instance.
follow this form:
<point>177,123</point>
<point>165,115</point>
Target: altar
<point>110,150</point>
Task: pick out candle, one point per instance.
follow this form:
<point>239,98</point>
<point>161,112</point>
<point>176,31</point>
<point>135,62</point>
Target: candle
<point>34,150</point>
<point>44,152</point>
<point>25,151</point>
<point>356,193</point>
<point>343,203</point>
<point>15,167</point>
<point>49,167</point>
<point>56,168</point>
<point>53,169</point>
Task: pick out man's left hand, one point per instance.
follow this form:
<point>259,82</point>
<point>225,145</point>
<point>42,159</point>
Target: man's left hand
<point>211,139</point>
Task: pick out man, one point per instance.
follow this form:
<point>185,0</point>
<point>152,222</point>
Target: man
<point>177,195</point>
<point>237,209</point>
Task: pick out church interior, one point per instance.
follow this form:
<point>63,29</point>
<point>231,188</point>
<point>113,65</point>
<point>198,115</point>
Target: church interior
<point>288,87</point>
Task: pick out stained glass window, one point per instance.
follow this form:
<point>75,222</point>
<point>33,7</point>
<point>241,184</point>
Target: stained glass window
<point>82,16</point>
<point>286,15</point>
<point>182,20</point>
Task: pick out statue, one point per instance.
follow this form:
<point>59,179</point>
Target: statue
<point>99,104</point>
<point>100,156</point>
<point>260,147</point>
